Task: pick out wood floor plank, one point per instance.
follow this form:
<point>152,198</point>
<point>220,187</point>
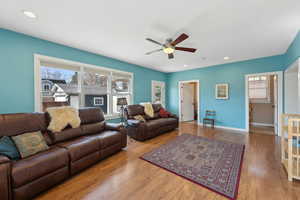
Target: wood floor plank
<point>126,177</point>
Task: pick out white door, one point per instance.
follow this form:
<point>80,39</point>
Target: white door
<point>275,105</point>
<point>187,102</point>
<point>158,92</point>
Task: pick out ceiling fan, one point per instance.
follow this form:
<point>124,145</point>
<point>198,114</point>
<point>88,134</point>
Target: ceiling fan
<point>170,46</point>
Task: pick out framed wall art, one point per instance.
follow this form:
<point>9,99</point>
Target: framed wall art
<point>222,91</point>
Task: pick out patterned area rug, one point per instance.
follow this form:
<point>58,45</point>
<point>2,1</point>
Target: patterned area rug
<point>213,164</point>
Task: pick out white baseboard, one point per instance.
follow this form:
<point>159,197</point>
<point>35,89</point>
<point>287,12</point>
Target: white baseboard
<point>261,124</point>
<point>226,127</point>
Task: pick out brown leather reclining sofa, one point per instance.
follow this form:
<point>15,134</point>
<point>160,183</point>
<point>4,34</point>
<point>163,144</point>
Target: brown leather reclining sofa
<point>71,151</point>
<point>152,127</point>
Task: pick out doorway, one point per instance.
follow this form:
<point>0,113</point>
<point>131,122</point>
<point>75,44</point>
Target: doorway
<point>189,101</point>
<point>264,103</point>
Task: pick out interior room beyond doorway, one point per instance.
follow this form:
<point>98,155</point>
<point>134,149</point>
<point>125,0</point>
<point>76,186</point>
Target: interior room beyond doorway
<point>189,101</point>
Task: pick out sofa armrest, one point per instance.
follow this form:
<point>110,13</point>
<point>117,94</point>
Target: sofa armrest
<point>137,130</point>
<point>121,129</point>
<point>4,159</point>
<point>173,116</point>
<point>113,126</point>
<point>134,122</point>
<point>5,187</point>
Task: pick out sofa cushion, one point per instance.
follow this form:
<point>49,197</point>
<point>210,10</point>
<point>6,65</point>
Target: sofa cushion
<point>133,110</point>
<point>8,148</point>
<point>155,116</point>
<point>15,124</point>
<point>156,107</point>
<point>29,144</point>
<point>164,113</point>
<point>31,168</point>
<point>108,138</point>
<point>93,128</point>
<point>66,134</point>
<point>156,123</point>
<point>91,115</point>
<point>80,147</point>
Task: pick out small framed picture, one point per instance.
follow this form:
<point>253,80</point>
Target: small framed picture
<point>222,91</point>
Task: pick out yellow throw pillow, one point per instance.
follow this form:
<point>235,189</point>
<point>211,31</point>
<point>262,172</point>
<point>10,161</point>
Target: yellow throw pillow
<point>30,143</point>
<point>63,116</point>
<point>148,109</point>
<point>139,117</point>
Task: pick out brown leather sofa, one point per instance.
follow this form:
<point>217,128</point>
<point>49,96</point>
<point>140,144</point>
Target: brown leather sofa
<point>152,127</point>
<point>71,151</point>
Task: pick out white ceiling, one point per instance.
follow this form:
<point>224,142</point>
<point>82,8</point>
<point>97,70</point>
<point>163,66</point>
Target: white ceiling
<point>242,30</point>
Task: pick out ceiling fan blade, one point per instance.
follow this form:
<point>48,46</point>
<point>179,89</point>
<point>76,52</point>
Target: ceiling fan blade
<point>155,42</point>
<point>150,52</point>
<point>182,37</point>
<point>192,50</point>
<point>170,56</point>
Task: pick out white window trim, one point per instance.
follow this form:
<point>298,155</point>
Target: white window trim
<point>37,81</point>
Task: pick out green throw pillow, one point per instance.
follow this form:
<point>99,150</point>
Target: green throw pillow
<point>30,143</point>
<point>8,148</point>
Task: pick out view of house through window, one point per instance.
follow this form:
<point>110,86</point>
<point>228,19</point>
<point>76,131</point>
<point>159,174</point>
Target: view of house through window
<point>120,89</point>
<point>83,87</point>
<point>59,87</point>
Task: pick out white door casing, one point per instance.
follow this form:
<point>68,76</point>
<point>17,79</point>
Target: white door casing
<point>275,104</point>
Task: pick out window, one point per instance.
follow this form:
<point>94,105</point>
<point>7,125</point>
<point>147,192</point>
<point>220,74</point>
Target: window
<point>116,108</point>
<point>80,85</point>
<point>95,87</point>
<point>259,91</point>
<point>158,92</point>
<point>120,88</point>
<point>98,101</point>
<point>65,88</point>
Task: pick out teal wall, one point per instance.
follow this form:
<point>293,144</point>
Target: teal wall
<point>231,112</point>
<point>17,81</point>
<point>17,69</point>
<point>293,51</point>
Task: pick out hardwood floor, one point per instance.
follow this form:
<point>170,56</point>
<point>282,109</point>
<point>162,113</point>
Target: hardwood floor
<point>125,176</point>
<point>262,129</point>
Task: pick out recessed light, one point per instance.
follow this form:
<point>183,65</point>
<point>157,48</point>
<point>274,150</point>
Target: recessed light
<point>29,14</point>
<point>226,58</point>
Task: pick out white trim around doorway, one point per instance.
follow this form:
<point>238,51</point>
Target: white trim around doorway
<point>198,97</point>
<point>279,101</point>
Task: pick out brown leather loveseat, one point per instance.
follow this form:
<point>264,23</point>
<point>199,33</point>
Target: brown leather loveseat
<point>152,127</point>
<point>71,151</point>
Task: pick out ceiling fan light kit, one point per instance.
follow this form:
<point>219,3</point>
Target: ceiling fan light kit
<point>169,50</point>
<point>170,46</point>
